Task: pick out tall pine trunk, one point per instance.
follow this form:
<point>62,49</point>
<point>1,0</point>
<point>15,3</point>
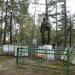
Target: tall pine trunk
<point>11,19</point>
<point>4,40</point>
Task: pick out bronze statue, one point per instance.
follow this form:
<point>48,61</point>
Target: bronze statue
<point>45,31</point>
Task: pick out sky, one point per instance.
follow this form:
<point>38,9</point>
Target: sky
<point>71,6</point>
<point>41,8</point>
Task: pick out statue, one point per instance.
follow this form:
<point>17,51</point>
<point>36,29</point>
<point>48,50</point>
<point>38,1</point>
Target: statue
<point>45,31</point>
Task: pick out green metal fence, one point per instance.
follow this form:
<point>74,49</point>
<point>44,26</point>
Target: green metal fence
<point>49,61</point>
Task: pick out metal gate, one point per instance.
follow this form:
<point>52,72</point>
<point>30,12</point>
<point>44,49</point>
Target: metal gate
<point>46,61</point>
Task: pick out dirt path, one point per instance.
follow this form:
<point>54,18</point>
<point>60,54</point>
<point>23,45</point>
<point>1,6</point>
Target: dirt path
<point>9,67</point>
<point>6,66</point>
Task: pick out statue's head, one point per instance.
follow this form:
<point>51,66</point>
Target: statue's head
<point>44,18</point>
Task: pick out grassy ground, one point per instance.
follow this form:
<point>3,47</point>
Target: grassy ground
<point>1,49</point>
<point>3,59</point>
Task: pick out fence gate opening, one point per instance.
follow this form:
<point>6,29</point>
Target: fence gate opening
<point>46,61</point>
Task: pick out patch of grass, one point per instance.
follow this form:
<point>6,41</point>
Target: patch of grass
<point>3,59</point>
<point>1,49</point>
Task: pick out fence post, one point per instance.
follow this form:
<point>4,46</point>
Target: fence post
<point>67,62</point>
<point>17,56</point>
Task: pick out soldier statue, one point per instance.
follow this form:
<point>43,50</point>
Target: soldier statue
<point>45,31</point>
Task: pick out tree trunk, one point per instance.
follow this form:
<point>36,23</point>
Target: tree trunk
<point>11,18</point>
<point>4,40</point>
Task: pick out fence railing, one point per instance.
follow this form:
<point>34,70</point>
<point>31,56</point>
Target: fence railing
<point>54,59</point>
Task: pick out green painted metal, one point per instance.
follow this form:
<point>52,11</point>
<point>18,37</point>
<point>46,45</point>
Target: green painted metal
<point>54,64</point>
<point>17,56</point>
<point>67,63</point>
